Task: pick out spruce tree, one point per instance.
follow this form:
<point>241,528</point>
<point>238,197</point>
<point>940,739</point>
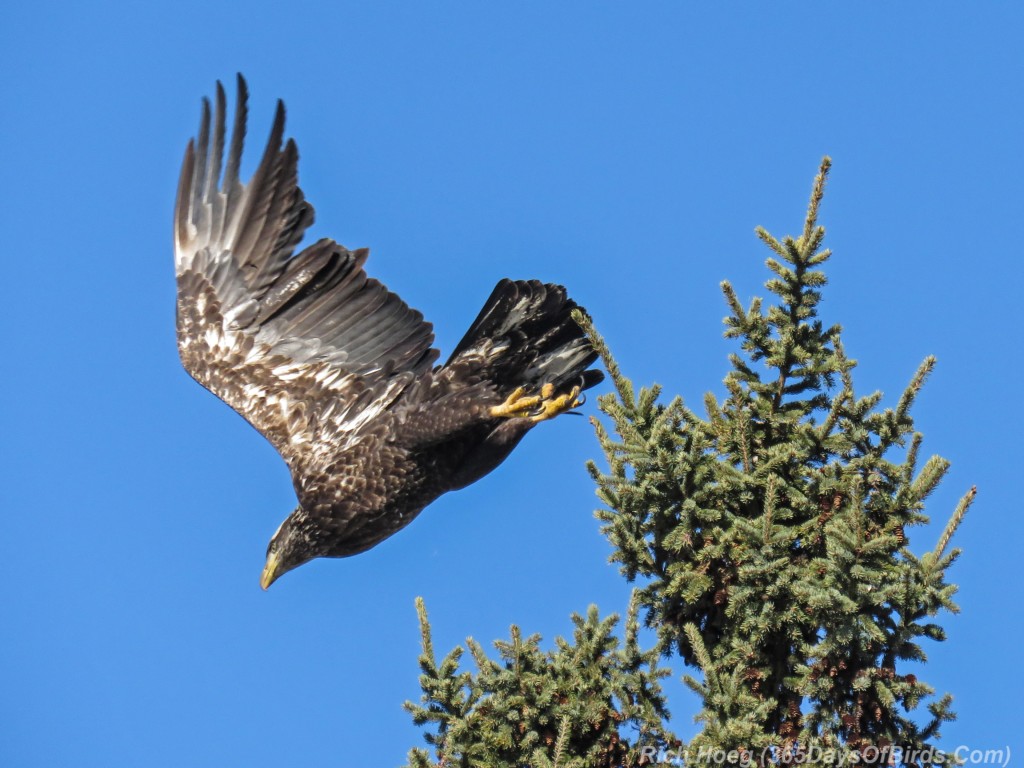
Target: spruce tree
<point>770,538</point>
<point>591,702</point>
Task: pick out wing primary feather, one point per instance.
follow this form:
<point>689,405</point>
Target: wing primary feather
<point>231,184</point>
<point>211,194</point>
<point>182,235</point>
<point>214,158</point>
<point>202,158</point>
<point>260,193</point>
<point>286,215</point>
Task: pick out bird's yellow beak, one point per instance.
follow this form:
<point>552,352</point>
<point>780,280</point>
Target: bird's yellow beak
<point>270,570</point>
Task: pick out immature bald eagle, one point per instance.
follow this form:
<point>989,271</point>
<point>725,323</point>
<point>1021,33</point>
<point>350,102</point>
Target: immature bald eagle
<point>336,371</point>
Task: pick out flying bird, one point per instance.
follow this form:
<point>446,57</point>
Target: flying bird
<point>337,372</point>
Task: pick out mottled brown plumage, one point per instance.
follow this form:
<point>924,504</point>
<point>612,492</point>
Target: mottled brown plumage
<point>338,372</point>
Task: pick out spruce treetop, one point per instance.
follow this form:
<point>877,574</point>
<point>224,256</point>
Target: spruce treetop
<point>770,538</point>
<point>771,533</point>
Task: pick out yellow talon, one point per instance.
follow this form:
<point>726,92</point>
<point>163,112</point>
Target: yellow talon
<point>516,405</point>
<point>537,407</point>
<point>552,407</point>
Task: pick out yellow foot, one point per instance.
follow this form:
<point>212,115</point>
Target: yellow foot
<point>554,406</point>
<point>516,405</point>
<point>537,408</point>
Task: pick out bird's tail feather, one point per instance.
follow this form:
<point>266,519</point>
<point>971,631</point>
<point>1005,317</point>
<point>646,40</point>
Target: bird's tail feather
<point>525,336</point>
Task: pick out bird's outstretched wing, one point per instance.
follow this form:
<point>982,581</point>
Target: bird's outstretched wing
<point>290,341</point>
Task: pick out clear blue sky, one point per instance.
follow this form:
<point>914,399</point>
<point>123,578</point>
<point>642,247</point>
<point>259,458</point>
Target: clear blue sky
<point>625,150</point>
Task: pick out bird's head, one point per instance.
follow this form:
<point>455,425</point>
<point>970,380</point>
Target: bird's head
<point>288,549</point>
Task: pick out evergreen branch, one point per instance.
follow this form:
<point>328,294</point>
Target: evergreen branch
<point>846,367</point>
<point>910,393</point>
<point>483,664</point>
<point>929,478</point>
<point>820,257</point>
<point>770,241</point>
<point>733,301</point>
<point>954,522</point>
<point>713,410</point>
<point>700,651</point>
<point>834,412</point>
<point>770,491</point>
<point>912,452</point>
<point>425,640</point>
<point>817,193</point>
<point>563,733</point>
<point>622,385</point>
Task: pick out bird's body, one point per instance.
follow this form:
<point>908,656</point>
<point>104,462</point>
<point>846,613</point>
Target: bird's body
<point>336,371</point>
